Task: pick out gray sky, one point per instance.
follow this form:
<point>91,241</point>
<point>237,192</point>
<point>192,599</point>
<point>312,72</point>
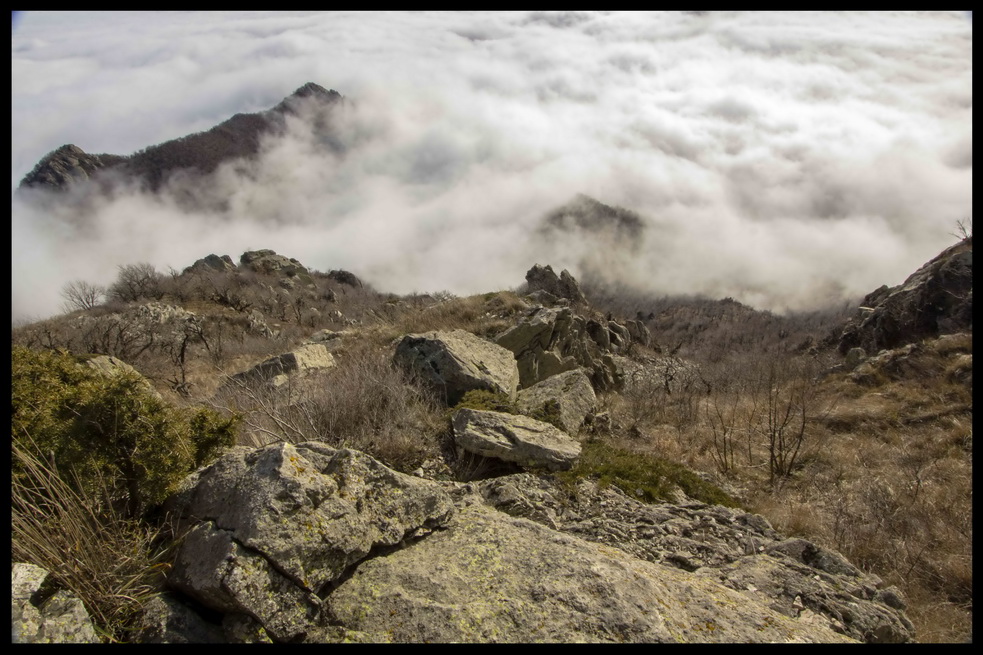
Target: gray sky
<point>784,159</point>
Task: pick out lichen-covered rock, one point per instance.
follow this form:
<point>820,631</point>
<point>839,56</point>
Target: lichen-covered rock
<point>568,397</point>
<point>58,619</point>
<point>512,438</point>
<point>304,359</point>
<point>268,262</point>
<point>274,526</point>
<point>489,577</point>
<point>792,576</point>
<point>456,362</point>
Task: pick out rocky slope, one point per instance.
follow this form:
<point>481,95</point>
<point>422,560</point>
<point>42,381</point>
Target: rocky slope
<point>305,542</point>
<point>200,153</point>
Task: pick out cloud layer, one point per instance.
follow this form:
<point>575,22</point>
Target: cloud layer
<point>786,160</point>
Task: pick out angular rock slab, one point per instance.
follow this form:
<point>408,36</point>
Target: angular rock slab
<point>61,619</point>
<point>570,393</point>
<point>490,577</point>
<point>514,438</point>
<point>456,362</point>
<point>275,525</point>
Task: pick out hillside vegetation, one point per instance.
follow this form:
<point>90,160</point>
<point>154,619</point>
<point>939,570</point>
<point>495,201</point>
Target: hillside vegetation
<point>726,405</point>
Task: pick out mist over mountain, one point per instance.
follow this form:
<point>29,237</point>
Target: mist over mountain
<point>786,161</point>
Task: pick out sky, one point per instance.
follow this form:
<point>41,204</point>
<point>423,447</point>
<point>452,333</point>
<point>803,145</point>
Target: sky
<point>787,160</point>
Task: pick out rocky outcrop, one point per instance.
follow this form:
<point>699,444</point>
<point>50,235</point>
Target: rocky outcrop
<point>274,527</point>
<point>513,438</point>
<point>568,398</point>
<point>489,577</point>
<point>453,363</point>
<point>212,263</point>
<point>936,299</point>
<point>542,278</point>
<point>549,341</point>
<point>270,263</point>
<point>276,371</point>
<point>40,618</point>
<point>201,153</point>
<point>794,577</point>
<point>66,166</point>
<point>307,543</point>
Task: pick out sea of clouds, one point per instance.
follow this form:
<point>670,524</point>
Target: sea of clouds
<point>788,160</point>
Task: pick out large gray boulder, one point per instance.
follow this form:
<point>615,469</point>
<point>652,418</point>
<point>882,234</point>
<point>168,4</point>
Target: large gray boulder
<point>268,262</point>
<point>568,396</point>
<point>489,577</point>
<point>513,438</point>
<point>304,359</point>
<point>58,619</point>
<point>741,550</point>
<point>453,363</point>
<point>272,528</point>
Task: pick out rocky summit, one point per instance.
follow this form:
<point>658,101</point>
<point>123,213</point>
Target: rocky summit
<point>201,153</point>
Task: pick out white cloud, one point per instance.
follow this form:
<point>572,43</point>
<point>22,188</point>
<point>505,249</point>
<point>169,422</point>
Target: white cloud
<point>778,158</point>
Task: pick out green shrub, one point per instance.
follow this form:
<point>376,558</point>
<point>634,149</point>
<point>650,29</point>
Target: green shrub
<point>485,400</point>
<point>647,478</point>
<point>549,412</point>
<point>91,425</point>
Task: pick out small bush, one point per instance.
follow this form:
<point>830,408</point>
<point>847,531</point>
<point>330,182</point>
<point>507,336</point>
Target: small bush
<point>113,428</point>
<point>485,400</point>
<point>645,477</point>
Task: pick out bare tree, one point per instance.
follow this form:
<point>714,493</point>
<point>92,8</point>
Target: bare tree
<point>79,294</point>
<point>135,282</point>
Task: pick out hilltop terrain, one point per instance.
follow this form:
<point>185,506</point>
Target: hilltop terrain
<point>253,450</point>
<point>669,473</point>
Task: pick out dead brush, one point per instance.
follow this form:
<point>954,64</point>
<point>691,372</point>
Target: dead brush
<point>114,565</point>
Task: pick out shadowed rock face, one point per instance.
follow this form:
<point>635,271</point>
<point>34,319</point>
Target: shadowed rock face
<point>936,299</point>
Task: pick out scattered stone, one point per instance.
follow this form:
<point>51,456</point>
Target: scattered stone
<point>512,438</point>
<point>569,397</point>
<point>304,359</point>
<point>58,619</point>
<point>542,278</point>
<point>453,363</point>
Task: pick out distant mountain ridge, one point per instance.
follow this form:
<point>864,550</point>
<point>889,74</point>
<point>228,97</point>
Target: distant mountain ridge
<point>203,152</point>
